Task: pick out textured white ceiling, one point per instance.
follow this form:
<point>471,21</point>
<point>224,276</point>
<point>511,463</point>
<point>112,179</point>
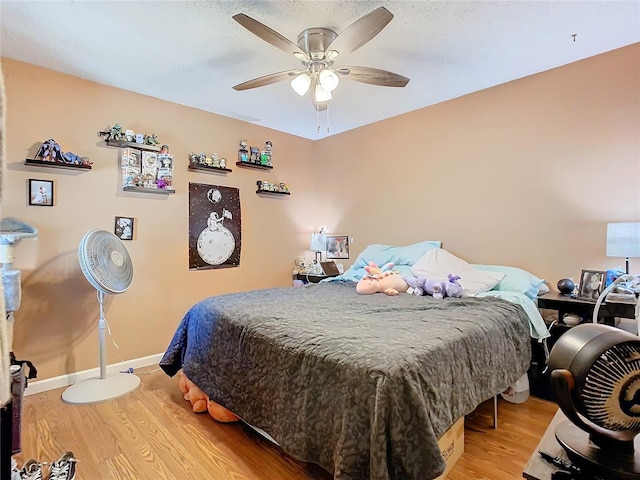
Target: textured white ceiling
<point>192,53</point>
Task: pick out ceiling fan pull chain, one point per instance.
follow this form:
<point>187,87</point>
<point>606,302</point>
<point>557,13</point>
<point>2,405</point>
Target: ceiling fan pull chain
<point>318,120</point>
<point>327,117</point>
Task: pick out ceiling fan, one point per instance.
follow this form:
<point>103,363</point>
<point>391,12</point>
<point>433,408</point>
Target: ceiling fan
<point>317,49</point>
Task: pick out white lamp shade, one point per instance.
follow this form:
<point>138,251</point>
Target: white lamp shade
<point>623,239</point>
<point>322,95</point>
<point>318,242</point>
<point>328,79</point>
<point>300,84</point>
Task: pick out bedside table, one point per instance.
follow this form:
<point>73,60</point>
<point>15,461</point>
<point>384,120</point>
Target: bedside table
<point>565,304</point>
<point>311,278</point>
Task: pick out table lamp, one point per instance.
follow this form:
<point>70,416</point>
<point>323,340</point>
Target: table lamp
<point>318,244</point>
<point>623,240</point>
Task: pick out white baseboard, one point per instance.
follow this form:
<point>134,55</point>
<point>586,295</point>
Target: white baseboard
<point>71,378</point>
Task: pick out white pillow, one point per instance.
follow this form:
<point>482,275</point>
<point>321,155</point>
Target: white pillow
<point>437,264</point>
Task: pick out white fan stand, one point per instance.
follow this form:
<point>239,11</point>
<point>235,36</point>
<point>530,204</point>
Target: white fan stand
<point>100,271</point>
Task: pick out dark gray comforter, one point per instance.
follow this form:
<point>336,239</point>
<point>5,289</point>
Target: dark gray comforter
<point>363,385</point>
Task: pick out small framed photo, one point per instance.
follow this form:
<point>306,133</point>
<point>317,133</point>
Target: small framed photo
<point>41,192</point>
<point>124,228</point>
<point>337,246</point>
<point>591,284</point>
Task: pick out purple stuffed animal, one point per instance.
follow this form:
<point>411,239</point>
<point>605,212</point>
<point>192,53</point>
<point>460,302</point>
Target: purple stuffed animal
<point>416,285</point>
<point>452,287</point>
<point>439,289</point>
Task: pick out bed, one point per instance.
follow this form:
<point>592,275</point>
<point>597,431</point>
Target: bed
<point>362,385</point>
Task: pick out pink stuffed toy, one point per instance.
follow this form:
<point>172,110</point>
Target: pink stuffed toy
<point>381,280</point>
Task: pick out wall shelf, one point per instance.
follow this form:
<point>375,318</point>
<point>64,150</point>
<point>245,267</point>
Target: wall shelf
<point>205,168</point>
<point>139,146</point>
<point>254,165</point>
<point>269,192</point>
<point>45,163</point>
<point>158,191</point>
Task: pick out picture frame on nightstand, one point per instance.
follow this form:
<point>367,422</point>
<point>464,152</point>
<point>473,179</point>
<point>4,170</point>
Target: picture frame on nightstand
<point>591,284</point>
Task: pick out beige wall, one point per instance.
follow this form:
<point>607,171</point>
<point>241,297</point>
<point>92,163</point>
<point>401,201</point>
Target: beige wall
<point>527,174</point>
<point>56,326</point>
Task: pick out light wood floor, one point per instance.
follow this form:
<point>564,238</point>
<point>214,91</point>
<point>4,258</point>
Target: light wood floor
<point>152,434</point>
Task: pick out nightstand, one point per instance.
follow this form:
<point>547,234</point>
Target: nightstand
<point>565,304</point>
<point>310,278</point>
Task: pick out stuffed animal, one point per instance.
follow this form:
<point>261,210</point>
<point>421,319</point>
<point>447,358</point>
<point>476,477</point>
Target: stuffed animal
<point>439,289</point>
<point>452,287</point>
<point>381,281</point>
<point>435,288</point>
<point>200,402</point>
<point>416,285</point>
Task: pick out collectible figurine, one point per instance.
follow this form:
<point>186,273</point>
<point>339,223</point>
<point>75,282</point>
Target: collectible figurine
<point>151,139</point>
<point>223,162</point>
<point>130,136</point>
<point>202,159</point>
<point>255,155</point>
<point>50,151</point>
<point>112,133</point>
<point>243,153</point>
<point>265,156</point>
<point>164,149</point>
<point>259,183</point>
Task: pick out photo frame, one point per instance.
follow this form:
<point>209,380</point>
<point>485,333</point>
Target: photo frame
<point>337,246</point>
<point>591,284</point>
<point>40,192</point>
<point>123,228</point>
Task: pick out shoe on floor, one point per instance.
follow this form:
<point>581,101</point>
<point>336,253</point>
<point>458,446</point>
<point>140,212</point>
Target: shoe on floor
<point>31,470</point>
<point>15,473</point>
<point>64,468</point>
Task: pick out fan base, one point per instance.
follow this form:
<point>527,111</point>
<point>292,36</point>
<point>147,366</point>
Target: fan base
<point>96,390</point>
<point>608,463</point>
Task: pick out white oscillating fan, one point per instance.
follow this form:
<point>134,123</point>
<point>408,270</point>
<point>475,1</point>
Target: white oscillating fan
<point>106,264</point>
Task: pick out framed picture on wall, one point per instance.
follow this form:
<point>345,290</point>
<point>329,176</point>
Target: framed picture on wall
<point>337,246</point>
<point>124,228</point>
<point>591,284</point>
<point>40,192</point>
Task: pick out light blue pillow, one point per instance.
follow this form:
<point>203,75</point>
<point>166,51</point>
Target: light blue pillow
<point>402,258</point>
<point>515,280</point>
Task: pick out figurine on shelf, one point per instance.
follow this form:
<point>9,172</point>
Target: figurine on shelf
<point>129,136</point>
<point>259,184</point>
<point>223,162</point>
<point>255,155</point>
<point>164,149</point>
<point>193,159</point>
<point>265,156</point>
<point>214,160</point>
<point>202,159</point>
<point>112,133</point>
<point>151,139</point>
<point>50,151</point>
<point>243,153</point>
<point>71,158</point>
<point>140,138</point>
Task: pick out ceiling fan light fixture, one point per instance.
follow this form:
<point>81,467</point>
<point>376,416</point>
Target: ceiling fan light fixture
<point>301,83</point>
<point>328,79</point>
<point>322,95</point>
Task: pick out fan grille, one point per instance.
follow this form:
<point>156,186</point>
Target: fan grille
<point>105,262</point>
<point>611,394</point>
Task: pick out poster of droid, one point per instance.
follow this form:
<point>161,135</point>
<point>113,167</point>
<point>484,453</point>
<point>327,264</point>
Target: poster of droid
<point>214,226</point>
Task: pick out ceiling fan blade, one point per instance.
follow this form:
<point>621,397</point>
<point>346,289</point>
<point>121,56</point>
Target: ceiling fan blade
<point>267,34</point>
<point>267,79</point>
<point>319,106</point>
<point>361,31</point>
<point>373,76</point>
